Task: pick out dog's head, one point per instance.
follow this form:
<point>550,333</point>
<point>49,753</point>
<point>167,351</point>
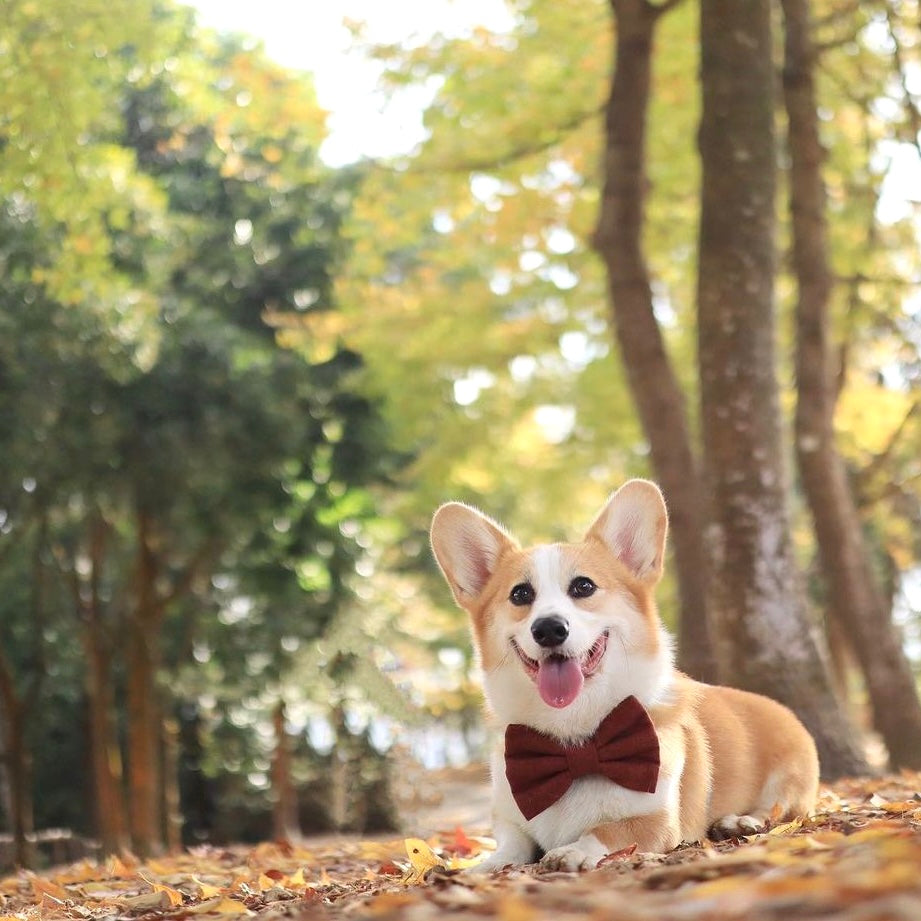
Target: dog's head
<point>564,631</point>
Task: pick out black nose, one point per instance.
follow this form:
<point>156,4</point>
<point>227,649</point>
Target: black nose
<point>549,631</point>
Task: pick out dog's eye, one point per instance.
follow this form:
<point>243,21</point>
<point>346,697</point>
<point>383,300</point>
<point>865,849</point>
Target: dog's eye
<point>522,594</point>
<point>581,587</point>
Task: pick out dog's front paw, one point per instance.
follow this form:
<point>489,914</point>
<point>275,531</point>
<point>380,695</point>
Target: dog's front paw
<point>584,854</point>
<point>736,826</point>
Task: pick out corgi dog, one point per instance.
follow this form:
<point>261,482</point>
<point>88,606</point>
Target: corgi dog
<point>606,744</point>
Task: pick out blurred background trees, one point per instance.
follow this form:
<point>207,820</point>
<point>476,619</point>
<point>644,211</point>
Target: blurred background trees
<point>235,381</point>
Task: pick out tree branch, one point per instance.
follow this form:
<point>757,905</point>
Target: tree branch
<point>880,460</point>
<point>911,104</point>
<point>513,154</point>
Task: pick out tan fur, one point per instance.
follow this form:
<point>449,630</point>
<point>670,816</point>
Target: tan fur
<point>738,760</point>
<point>743,754</point>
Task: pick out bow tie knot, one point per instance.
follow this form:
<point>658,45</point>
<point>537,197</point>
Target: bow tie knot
<point>624,749</point>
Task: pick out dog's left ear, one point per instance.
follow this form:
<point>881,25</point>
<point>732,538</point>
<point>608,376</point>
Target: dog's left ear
<point>467,545</point>
<point>633,525</point>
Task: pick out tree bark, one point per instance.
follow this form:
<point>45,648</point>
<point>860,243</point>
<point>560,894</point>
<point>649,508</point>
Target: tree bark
<point>171,795</point>
<point>105,753</point>
<point>857,600</point>
<point>656,392</point>
<point>765,642</point>
<point>144,724</point>
<point>15,762</point>
<point>105,756</point>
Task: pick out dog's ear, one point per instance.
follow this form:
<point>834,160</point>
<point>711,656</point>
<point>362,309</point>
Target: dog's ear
<point>633,524</point>
<point>467,546</point>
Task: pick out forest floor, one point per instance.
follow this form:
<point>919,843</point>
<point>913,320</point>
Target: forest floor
<point>857,859</point>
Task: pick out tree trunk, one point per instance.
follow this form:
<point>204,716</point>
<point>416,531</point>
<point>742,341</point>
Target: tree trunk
<point>144,725</point>
<point>105,753</point>
<point>857,600</point>
<point>15,763</point>
<point>765,641</point>
<point>285,825</point>
<point>171,795</point>
<point>105,756</point>
<point>655,389</point>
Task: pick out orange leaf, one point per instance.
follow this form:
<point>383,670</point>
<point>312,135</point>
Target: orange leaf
<point>462,844</point>
<point>115,867</point>
<point>43,887</point>
<point>614,856</point>
<point>174,895</point>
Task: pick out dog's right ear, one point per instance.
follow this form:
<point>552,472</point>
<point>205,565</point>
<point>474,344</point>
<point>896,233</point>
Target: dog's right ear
<point>467,546</point>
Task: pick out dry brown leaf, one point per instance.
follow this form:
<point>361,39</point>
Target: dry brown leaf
<point>376,850</point>
<point>174,895</point>
<point>148,901</point>
<point>206,890</point>
<point>515,908</point>
<point>118,868</point>
<point>786,828</point>
<point>220,906</point>
<point>46,887</point>
<point>388,902</point>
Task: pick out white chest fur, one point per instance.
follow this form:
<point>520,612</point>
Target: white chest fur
<point>589,802</point>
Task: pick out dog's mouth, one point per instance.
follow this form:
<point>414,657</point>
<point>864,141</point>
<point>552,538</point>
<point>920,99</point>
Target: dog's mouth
<point>559,679</point>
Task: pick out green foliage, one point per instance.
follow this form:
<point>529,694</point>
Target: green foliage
<point>475,253</point>
<point>165,422</point>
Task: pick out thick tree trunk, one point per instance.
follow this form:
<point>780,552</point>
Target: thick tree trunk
<point>857,600</point>
<point>144,721</point>
<point>765,641</point>
<point>285,825</point>
<point>655,389</point>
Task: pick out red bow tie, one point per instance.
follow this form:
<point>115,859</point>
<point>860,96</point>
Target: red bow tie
<point>624,748</point>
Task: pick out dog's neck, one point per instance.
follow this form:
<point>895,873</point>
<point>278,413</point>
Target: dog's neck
<point>512,698</point>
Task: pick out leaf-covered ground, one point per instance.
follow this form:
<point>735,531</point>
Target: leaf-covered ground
<point>858,859</point>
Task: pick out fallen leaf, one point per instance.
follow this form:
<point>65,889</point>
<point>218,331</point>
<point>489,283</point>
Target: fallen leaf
<point>42,887</point>
<point>148,901</point>
<point>462,845</point>
<point>206,890</point>
<point>614,856</point>
<point>375,850</point>
<point>786,827</point>
<point>422,858</point>
<point>514,908</point>
<point>387,902</point>
<point>296,879</point>
<point>117,868</point>
<point>174,895</point>
<point>220,906</point>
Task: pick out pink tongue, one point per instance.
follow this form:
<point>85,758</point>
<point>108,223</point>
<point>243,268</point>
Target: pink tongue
<point>559,681</point>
